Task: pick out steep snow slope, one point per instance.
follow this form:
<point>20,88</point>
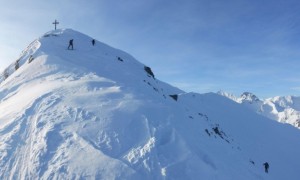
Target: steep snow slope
<point>95,113</point>
<point>284,109</point>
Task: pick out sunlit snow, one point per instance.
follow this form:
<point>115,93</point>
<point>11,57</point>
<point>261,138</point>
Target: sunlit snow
<point>95,113</point>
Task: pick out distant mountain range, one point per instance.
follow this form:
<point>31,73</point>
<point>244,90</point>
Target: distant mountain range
<point>284,109</point>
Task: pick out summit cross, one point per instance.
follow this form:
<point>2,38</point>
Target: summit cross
<point>55,23</point>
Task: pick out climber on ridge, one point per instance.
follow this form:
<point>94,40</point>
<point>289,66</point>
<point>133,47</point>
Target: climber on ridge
<point>266,164</point>
<point>70,44</point>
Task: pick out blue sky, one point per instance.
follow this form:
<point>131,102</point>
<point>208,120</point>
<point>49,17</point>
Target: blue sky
<point>196,45</point>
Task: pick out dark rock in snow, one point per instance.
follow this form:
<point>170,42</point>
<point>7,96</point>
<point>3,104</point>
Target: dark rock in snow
<point>149,71</point>
<point>174,96</point>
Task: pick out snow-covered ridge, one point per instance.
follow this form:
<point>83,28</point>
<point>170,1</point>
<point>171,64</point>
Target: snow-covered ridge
<point>97,113</point>
<point>247,96</point>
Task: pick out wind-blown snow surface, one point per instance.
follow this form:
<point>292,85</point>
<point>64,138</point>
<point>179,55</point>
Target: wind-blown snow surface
<point>94,113</point>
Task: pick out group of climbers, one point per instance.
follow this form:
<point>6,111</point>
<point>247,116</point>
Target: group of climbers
<point>71,47</point>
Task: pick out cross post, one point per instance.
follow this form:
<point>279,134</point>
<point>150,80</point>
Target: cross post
<point>55,23</point>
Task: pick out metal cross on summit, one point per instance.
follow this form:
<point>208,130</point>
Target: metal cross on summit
<point>55,23</point>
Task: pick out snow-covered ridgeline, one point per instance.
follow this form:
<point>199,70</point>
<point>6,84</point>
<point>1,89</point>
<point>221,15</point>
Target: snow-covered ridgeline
<point>97,113</point>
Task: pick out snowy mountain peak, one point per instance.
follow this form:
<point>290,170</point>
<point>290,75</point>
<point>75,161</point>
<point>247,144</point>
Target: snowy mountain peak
<point>249,97</point>
<point>286,101</point>
<point>51,49</point>
<point>228,95</point>
<point>95,112</point>
<point>245,97</point>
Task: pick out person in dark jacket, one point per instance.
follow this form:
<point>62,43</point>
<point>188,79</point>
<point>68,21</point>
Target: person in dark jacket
<point>266,164</point>
<point>93,42</point>
<point>70,44</point>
